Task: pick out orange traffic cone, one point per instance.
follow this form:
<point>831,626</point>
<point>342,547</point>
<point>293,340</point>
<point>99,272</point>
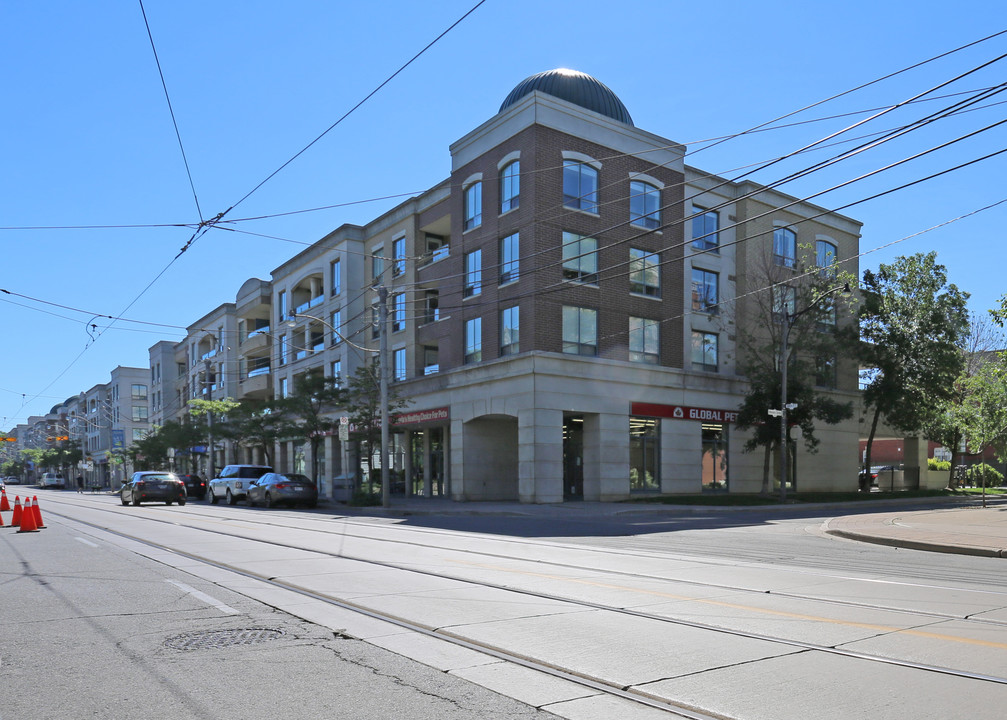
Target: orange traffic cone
<point>1,520</point>
<point>27,519</point>
<point>4,504</point>
<point>15,521</point>
<point>36,512</point>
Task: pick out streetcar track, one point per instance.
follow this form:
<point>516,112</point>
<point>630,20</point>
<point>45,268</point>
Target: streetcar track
<point>607,551</point>
<point>799,645</point>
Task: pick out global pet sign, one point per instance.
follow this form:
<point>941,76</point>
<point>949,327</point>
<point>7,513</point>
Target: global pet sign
<point>684,412</point>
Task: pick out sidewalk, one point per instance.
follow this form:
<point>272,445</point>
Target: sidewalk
<point>963,527</point>
<point>973,530</point>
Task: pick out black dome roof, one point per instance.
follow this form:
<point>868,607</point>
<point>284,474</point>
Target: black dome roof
<point>575,87</point>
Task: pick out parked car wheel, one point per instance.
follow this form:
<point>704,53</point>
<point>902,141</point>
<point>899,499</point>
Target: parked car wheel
<point>213,498</point>
<point>124,500</point>
<point>136,500</point>
<point>181,500</point>
<point>231,500</point>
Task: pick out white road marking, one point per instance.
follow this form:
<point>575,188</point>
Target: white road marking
<point>86,542</point>
<point>226,609</point>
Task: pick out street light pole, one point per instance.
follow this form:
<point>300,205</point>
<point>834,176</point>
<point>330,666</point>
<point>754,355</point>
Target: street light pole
<point>383,385</point>
<point>787,322</point>
<point>211,469</point>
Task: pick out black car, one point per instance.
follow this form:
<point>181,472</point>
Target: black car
<point>195,486</point>
<point>291,489</point>
<point>157,485</point>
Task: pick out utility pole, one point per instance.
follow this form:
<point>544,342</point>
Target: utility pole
<point>383,384</point>
<point>209,425</point>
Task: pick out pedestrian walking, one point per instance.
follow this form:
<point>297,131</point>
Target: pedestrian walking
<point>80,484</point>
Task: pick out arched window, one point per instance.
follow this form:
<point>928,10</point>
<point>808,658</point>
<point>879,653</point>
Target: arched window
<point>784,247</point>
<point>825,258</point>
<point>510,186</point>
<point>473,205</point>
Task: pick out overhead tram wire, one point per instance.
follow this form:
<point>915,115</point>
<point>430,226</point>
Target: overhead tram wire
<point>349,112</point>
<point>945,112</point>
<point>562,284</point>
<point>171,110</point>
<point>816,270</point>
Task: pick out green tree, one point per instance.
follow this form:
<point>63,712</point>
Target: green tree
<point>306,412</point>
<point>912,323</point>
<point>814,304</point>
<point>363,405</point>
<point>254,424</point>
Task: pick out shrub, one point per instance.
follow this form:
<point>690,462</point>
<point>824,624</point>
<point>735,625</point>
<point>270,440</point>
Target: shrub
<point>933,464</point>
<point>983,475</point>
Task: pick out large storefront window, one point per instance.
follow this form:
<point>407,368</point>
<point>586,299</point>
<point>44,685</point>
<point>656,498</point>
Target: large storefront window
<point>714,457</point>
<point>644,454</point>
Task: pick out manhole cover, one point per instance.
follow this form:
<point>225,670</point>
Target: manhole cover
<point>222,638</point>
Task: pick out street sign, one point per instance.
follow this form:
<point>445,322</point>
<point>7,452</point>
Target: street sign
<point>344,420</point>
<point>344,432</point>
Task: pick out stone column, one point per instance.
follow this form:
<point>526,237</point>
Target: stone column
<point>606,457</point>
<point>540,456</point>
<point>427,465</point>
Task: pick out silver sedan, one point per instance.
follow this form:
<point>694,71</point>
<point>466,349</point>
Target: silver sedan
<point>273,489</point>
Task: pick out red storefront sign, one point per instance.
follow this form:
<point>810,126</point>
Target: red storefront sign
<point>423,416</point>
<point>683,412</point>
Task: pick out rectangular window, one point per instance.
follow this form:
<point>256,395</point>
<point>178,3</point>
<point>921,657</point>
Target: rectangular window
<point>336,322</point>
<point>336,276</point>
<point>377,263</point>
<point>399,312</point>
<point>473,205</point>
<point>431,306</point>
<point>376,320</point>
<point>644,273</point>
<point>644,454</point>
<point>431,363</point>
<point>139,413</point>
<point>510,250</point>
<point>825,372</point>
<point>337,372</point>
<point>281,306</point>
<point>580,186</point>
<point>644,205</point>
<point>644,343</point>
<point>580,258</point>
<point>400,364</point>
<point>138,392</point>
<point>704,291</point>
<point>784,247</point>
<point>437,248</point>
<point>784,300</point>
<point>399,255</point>
<point>580,331</point>
<point>283,388</point>
<point>510,187</point>
<point>138,434</point>
<point>826,314</point>
<point>509,330</point>
<point>473,273</point>
<point>474,340</point>
<point>704,351</point>
<point>282,349</point>
<point>705,227</point>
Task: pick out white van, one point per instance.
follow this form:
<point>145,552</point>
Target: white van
<point>52,480</point>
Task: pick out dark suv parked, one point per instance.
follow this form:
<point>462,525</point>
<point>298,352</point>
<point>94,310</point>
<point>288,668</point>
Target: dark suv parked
<point>195,486</point>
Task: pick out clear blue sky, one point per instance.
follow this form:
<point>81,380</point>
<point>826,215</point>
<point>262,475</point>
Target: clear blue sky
<point>87,138</point>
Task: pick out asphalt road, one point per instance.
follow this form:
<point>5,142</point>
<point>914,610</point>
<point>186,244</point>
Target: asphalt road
<point>92,630</point>
<point>755,615</point>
